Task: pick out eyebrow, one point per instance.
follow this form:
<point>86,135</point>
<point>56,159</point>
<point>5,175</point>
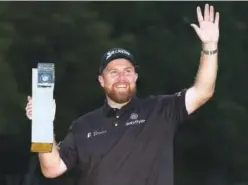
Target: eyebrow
<point>131,67</point>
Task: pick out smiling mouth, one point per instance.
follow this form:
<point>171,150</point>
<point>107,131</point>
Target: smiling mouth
<point>121,86</point>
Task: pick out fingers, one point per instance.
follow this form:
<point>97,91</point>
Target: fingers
<point>211,14</point>
<point>217,18</point>
<point>206,12</point>
<point>196,28</point>
<point>28,108</point>
<point>29,104</point>
<point>29,112</point>
<point>199,14</point>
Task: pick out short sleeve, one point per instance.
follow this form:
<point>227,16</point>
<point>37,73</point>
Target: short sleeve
<point>68,151</point>
<point>173,107</point>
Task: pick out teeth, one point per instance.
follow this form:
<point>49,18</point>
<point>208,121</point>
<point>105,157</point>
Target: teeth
<point>121,86</point>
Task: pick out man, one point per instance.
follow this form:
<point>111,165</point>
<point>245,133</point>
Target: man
<point>129,141</point>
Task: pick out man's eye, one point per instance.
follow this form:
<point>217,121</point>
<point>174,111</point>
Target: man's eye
<point>113,72</point>
<point>129,71</point>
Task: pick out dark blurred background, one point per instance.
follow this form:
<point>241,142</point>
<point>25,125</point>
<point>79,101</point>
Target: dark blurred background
<point>210,149</point>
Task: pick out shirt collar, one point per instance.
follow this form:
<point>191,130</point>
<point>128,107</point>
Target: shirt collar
<point>109,111</point>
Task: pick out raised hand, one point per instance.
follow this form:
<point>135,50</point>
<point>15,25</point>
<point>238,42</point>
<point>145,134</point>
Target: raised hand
<point>208,29</point>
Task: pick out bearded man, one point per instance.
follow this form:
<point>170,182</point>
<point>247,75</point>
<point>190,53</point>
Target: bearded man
<point>129,141</point>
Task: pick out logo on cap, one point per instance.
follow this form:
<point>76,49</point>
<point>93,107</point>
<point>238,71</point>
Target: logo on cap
<point>110,53</point>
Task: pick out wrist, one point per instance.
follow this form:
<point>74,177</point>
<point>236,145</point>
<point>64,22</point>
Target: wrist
<point>210,46</point>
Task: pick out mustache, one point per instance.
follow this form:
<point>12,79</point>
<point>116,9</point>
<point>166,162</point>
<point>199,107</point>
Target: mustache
<point>121,83</point>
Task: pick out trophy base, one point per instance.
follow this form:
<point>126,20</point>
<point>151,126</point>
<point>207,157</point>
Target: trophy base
<point>42,147</point>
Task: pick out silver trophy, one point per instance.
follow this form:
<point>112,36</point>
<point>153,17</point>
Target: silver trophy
<point>43,80</point>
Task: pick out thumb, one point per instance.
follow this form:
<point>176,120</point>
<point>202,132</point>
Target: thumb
<point>196,28</point>
<point>29,98</point>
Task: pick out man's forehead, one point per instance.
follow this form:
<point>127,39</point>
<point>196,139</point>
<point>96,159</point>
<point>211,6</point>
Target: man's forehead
<point>124,63</point>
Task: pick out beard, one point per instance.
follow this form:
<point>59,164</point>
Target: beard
<point>120,96</point>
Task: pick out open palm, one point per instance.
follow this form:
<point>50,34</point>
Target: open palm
<point>208,29</point>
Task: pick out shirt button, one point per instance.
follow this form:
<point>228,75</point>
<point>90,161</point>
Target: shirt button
<point>117,116</point>
<point>116,124</point>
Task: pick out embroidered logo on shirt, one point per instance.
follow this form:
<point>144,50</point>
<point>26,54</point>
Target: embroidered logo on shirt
<point>96,133</point>
<point>134,116</point>
<point>134,120</point>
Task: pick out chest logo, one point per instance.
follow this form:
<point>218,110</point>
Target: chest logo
<point>134,120</point>
<point>134,116</point>
<point>96,133</point>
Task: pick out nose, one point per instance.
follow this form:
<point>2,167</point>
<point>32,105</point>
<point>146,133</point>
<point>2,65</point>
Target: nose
<point>121,75</point>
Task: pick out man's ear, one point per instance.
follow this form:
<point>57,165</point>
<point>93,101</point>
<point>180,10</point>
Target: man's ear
<point>136,77</point>
<point>101,81</point>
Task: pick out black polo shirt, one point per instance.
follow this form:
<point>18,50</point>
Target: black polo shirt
<point>130,146</point>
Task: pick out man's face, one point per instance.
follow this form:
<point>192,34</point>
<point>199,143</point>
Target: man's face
<point>119,80</point>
